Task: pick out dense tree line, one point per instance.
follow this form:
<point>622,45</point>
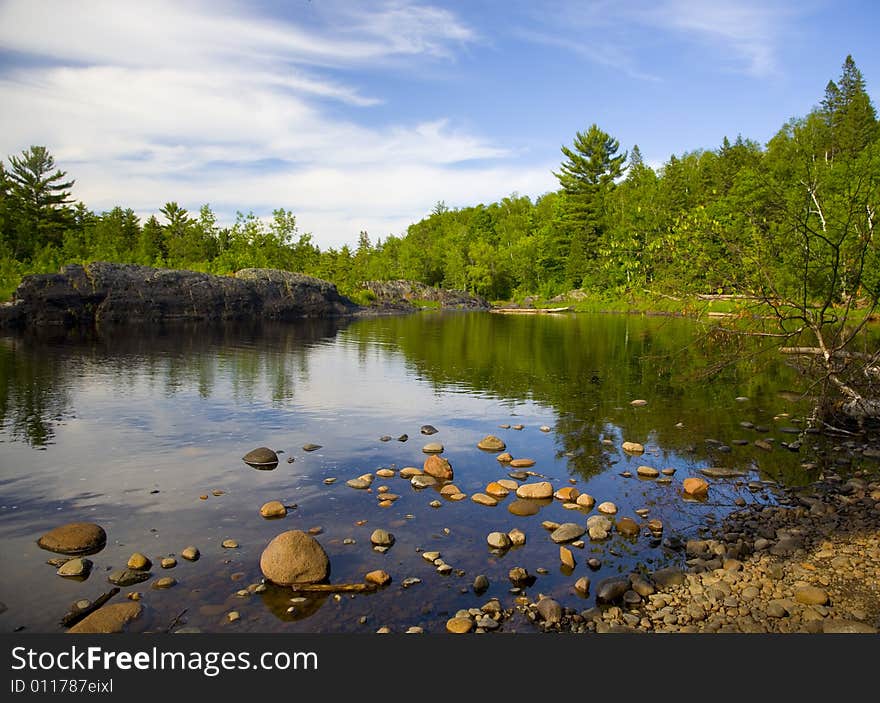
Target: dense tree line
<point>784,218</point>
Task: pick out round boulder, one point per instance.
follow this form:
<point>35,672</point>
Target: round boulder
<point>74,538</point>
<point>294,557</point>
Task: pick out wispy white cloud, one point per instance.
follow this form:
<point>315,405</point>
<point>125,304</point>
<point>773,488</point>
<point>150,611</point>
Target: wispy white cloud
<point>147,102</point>
<point>740,35</point>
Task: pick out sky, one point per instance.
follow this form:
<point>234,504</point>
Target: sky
<point>364,115</point>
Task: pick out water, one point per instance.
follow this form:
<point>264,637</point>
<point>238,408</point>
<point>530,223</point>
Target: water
<point>129,429</point>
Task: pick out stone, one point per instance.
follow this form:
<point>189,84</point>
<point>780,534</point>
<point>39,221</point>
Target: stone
<point>496,490</point>
<point>518,575</point>
<point>459,626</point>
<point>582,585</point>
<point>641,585</point>
<point>433,503</point>
<point>508,483</point>
<point>77,538</point>
<point>847,627</point>
<point>597,533</point>
<point>409,471</point>
<point>549,525</point>
<point>164,582</point>
<point>608,508</point>
<point>647,472</point>
<point>668,577</point>
<point>524,508</point>
<point>585,500</point>
<point>449,489</point>
<point>481,584</point>
<point>722,472</point>
<point>542,489</point>
<point>611,590</point>
<point>545,428</point>
<point>519,475</point>
<point>522,463</point>
<point>382,538</point>
<point>655,526</point>
<point>168,563</point>
<point>810,595</point>
<point>234,615</point>
<point>428,429</point>
<point>517,427</point>
<point>127,577</point>
<point>294,557</point>
<point>627,527</point>
<point>229,544</point>
<point>549,610</point>
<point>633,448</point>
<point>309,447</point>
<point>190,553</point>
<point>498,540</point>
<point>599,521</point>
<point>695,487</point>
<point>517,537</point>
<point>261,457</point>
<point>378,577</point>
<point>566,557</point>
<point>594,563</point>
<point>505,457</point>
<point>273,509</point>
<point>360,484</point>
<point>458,496</point>
<point>423,481</point>
<point>385,473</point>
<point>331,480</point>
<point>433,448</point>
<point>483,499</point>
<point>631,598</point>
<point>567,494</point>
<point>567,532</point>
<point>108,619</point>
<point>139,562</point>
<point>438,467</point>
<point>668,472</point>
<point>491,443</point>
<point>764,444</point>
<point>78,567</point>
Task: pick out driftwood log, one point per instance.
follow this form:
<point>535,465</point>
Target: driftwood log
<point>74,616</point>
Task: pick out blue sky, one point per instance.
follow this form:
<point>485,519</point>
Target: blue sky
<point>362,115</point>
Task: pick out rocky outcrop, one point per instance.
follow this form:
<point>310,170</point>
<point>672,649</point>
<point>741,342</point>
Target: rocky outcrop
<point>410,295</point>
<point>124,293</point>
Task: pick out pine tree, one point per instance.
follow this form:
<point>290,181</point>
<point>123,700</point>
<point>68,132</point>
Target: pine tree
<point>587,175</point>
<point>41,200</point>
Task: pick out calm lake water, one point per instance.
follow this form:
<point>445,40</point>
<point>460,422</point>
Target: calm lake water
<point>129,429</point>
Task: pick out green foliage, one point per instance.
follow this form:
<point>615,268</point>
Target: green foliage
<point>725,220</point>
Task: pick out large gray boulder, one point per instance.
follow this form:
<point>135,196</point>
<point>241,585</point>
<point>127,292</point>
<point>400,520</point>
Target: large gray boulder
<point>410,295</point>
<point>125,293</point>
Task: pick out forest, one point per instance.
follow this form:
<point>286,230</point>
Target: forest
<point>782,219</point>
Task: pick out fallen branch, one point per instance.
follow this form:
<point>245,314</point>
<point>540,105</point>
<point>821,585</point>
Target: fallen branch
<point>74,616</point>
<point>817,351</point>
<point>662,295</point>
<point>333,587</point>
<point>175,621</point>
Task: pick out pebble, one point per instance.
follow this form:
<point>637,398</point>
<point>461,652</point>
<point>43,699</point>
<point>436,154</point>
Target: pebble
<point>410,471</point>
<point>567,532</point>
<point>433,503</point>
<point>311,447</point>
<point>78,567</point>
<point>582,585</point>
<point>586,501</point>
<point>164,582</point>
<point>483,499</point>
<point>385,473</point>
<point>608,508</point>
<point>127,577</point>
<point>428,429</point>
<point>542,489</point>
<point>410,581</point>
<point>566,557</point>
<point>491,443</point>
<point>433,448</point>
<point>517,537</point>
<point>496,490</point>
<point>378,577</point>
<point>567,494</point>
<point>168,563</point>
<point>139,562</point>
<point>811,595</point>
<point>229,544</point>
<point>423,481</point>
<point>481,584</point>
<point>633,448</point>
<point>233,615</point>
<point>382,538</point>
<point>273,509</point>
<point>695,487</point>
<point>518,575</point>
<point>498,540</point>
<point>459,625</point>
<point>329,481</point>
<point>647,472</point>
<point>522,463</point>
<point>190,553</point>
<point>544,428</point>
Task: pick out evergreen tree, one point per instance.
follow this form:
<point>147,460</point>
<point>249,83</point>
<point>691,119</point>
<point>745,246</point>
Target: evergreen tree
<point>41,199</point>
<point>586,177</point>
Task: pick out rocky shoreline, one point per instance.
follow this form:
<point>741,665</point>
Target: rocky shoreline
<point>810,564</point>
